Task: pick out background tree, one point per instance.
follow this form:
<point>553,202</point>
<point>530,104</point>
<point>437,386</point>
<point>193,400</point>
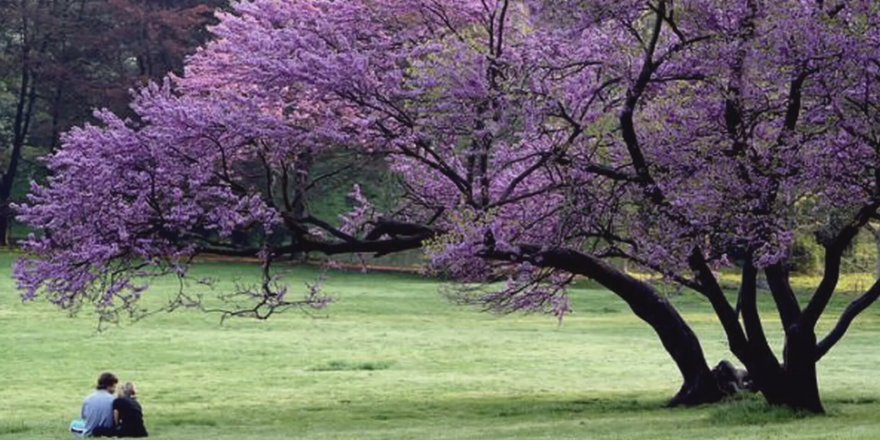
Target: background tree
<point>61,59</point>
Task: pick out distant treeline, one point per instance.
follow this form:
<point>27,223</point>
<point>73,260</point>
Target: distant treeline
<point>61,59</point>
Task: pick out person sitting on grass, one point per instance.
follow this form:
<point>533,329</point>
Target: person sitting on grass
<point>97,409</point>
<point>128,414</point>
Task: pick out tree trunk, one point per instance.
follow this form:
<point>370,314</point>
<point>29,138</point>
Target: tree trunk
<point>700,385</point>
<point>803,390</point>
<point>801,380</point>
<point>4,227</point>
<point>27,98</point>
<point>798,385</point>
<point>724,380</point>
<point>797,389</point>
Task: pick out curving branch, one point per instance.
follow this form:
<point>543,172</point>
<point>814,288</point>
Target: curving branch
<point>853,310</point>
<point>709,287</point>
<point>748,300</point>
<point>833,255</point>
<point>649,305</point>
<point>783,295</point>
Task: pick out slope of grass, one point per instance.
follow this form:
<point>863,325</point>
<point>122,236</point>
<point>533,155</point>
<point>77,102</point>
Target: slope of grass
<point>393,360</point>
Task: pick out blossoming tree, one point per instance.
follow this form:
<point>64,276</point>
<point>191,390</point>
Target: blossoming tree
<point>535,141</point>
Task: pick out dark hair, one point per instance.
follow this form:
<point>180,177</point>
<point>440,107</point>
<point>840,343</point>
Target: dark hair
<point>107,380</point>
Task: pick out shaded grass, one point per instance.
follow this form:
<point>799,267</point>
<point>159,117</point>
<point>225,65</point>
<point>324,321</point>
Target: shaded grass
<point>752,411</point>
<point>353,366</point>
<point>393,360</point>
<point>12,427</point>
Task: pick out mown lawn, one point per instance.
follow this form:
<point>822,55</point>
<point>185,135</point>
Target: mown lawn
<point>393,360</point>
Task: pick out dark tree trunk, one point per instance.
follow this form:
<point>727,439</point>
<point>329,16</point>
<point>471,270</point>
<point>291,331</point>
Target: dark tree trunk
<point>800,387</point>
<point>794,384</point>
<point>4,227</point>
<point>700,385</point>
<point>797,389</point>
<point>5,193</point>
<point>724,380</point>
<point>6,213</point>
<point>24,111</point>
<point>698,389</point>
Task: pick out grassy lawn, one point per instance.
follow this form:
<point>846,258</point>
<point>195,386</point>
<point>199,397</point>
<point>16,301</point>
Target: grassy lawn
<point>393,360</point>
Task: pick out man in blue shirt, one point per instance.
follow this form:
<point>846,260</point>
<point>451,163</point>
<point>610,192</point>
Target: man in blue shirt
<point>97,409</point>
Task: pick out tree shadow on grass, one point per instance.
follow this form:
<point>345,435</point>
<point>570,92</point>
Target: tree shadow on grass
<point>607,413</point>
<point>13,428</point>
<point>183,420</point>
<point>538,408</point>
<point>751,410</point>
<point>513,407</point>
<point>339,365</point>
<point>854,401</point>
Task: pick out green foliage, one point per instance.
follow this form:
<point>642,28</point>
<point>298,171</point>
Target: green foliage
<point>331,198</point>
<point>805,256</point>
<point>861,257</point>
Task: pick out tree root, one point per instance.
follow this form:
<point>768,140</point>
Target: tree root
<point>723,381</point>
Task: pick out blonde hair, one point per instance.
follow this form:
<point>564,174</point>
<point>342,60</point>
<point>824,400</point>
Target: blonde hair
<point>127,390</point>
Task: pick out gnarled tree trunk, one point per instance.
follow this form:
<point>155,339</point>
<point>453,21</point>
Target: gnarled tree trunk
<point>701,384</point>
<point>798,385</point>
<point>4,227</point>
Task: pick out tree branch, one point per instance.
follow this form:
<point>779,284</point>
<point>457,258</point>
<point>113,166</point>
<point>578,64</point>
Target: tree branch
<point>854,309</point>
<point>751,318</point>
<point>783,295</point>
<point>833,255</point>
<point>677,337</point>
<point>710,288</point>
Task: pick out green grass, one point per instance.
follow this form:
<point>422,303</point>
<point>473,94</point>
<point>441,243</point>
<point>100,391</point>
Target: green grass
<point>393,360</point>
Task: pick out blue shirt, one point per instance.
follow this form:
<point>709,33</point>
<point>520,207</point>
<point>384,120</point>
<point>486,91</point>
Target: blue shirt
<point>97,410</point>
